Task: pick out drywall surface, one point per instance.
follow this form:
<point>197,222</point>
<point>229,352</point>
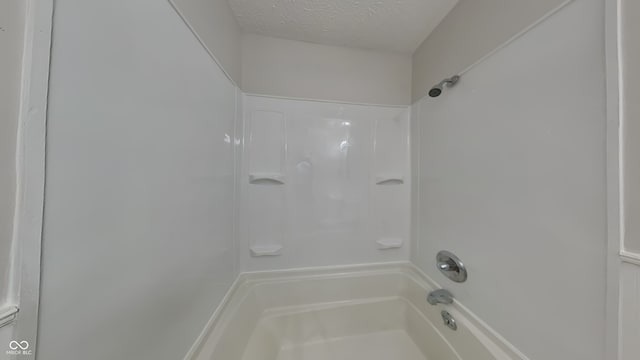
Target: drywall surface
<point>216,26</point>
<point>384,25</point>
<point>470,31</point>
<point>12,15</point>
<point>630,93</point>
<point>138,243</point>
<point>298,69</point>
<point>630,16</point>
<point>512,180</point>
<point>323,183</point>
<point>6,335</point>
<point>630,311</point>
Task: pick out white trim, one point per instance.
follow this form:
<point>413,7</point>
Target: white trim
<point>326,101</point>
<point>415,179</point>
<point>238,150</point>
<point>311,271</point>
<point>206,48</point>
<point>614,180</point>
<point>30,165</point>
<point>613,18</point>
<point>13,288</point>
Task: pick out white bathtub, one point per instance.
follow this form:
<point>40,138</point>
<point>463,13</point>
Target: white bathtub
<point>371,312</point>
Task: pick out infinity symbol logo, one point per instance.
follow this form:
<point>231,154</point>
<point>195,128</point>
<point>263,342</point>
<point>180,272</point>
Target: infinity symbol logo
<point>23,345</point>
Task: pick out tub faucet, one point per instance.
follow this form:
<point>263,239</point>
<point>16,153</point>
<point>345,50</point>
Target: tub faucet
<point>440,296</point>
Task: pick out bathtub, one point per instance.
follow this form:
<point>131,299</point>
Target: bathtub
<point>371,312</point>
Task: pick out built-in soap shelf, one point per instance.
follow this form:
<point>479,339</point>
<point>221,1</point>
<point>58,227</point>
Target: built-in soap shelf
<point>389,243</point>
<point>389,179</point>
<point>266,178</point>
<point>265,250</point>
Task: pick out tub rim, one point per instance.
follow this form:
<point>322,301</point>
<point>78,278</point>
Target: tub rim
<point>494,343</point>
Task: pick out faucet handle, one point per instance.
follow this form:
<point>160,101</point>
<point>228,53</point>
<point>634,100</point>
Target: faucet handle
<point>451,266</point>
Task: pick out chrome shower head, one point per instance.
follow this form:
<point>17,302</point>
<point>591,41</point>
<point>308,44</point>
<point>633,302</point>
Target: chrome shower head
<point>437,90</point>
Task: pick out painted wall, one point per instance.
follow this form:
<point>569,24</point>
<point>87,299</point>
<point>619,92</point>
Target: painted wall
<point>138,243</point>
<point>630,118</point>
<point>512,180</point>
<point>470,31</point>
<point>629,310</point>
<point>630,16</point>
<point>298,69</point>
<point>216,26</point>
<point>12,15</point>
<point>329,208</point>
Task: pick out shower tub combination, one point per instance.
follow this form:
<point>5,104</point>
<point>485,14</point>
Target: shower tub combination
<point>369,312</point>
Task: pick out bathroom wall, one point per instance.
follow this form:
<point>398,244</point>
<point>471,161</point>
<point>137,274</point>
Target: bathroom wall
<point>630,116</point>
<point>630,15</point>
<point>512,180</point>
<point>217,29</point>
<point>470,31</point>
<point>629,310</point>
<point>323,183</point>
<point>138,243</point>
<point>12,15</point>
<point>299,69</point>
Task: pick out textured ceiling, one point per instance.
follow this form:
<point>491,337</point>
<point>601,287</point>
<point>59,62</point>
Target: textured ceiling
<point>388,25</point>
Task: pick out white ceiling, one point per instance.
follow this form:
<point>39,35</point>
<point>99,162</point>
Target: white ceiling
<point>387,25</point>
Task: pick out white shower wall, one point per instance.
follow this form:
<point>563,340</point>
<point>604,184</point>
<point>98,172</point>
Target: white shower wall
<point>329,209</point>
<point>12,22</point>
<point>141,183</point>
<point>511,172</point>
<point>138,243</point>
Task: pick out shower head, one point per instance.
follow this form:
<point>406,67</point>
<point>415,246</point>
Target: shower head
<point>437,90</point>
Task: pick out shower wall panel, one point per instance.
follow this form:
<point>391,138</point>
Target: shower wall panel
<point>339,192</point>
<point>138,243</point>
<point>512,180</point>
<point>12,18</point>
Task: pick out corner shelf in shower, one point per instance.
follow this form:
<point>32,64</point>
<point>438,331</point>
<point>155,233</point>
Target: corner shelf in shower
<point>389,179</point>
<point>266,178</point>
<point>389,243</point>
<point>265,250</point>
